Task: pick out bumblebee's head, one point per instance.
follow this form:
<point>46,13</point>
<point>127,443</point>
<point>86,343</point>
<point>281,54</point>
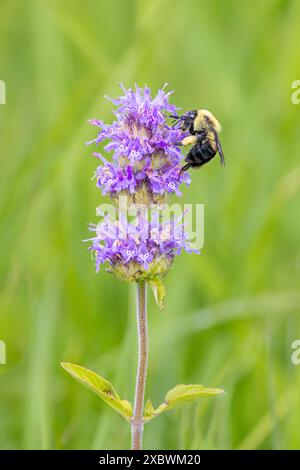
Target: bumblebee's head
<point>204,116</point>
<point>186,120</point>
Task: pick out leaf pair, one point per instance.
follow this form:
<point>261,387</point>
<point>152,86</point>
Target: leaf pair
<point>105,390</point>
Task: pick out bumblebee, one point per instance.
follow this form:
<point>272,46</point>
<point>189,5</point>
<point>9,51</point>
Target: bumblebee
<point>203,128</point>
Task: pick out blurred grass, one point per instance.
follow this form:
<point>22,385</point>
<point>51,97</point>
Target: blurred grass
<point>231,313</point>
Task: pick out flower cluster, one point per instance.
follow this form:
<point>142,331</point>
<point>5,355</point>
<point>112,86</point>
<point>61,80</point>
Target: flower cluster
<point>144,168</point>
<point>146,157</point>
<point>140,249</point>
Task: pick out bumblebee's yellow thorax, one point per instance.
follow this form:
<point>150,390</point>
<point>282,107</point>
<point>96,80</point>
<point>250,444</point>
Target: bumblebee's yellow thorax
<point>200,122</point>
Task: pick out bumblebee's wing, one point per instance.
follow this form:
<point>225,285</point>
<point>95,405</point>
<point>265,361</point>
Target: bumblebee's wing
<point>220,150</point>
<point>219,147</point>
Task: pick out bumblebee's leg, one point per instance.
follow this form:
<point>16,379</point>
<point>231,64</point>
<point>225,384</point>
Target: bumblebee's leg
<point>189,140</point>
<point>194,158</point>
<point>184,168</point>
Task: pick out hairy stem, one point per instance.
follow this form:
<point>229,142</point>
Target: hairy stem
<point>137,423</point>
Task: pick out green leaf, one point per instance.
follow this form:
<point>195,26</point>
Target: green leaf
<point>101,387</point>
<point>178,395</point>
<point>159,292</point>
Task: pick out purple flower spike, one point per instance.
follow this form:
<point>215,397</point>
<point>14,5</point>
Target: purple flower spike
<point>141,250</point>
<point>146,158</point>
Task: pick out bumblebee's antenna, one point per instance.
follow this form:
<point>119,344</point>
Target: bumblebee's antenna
<point>177,119</point>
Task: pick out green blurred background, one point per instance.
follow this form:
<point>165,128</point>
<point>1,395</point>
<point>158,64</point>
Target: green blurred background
<point>233,312</point>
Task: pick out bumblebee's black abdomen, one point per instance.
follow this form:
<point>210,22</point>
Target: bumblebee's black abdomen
<point>200,154</point>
